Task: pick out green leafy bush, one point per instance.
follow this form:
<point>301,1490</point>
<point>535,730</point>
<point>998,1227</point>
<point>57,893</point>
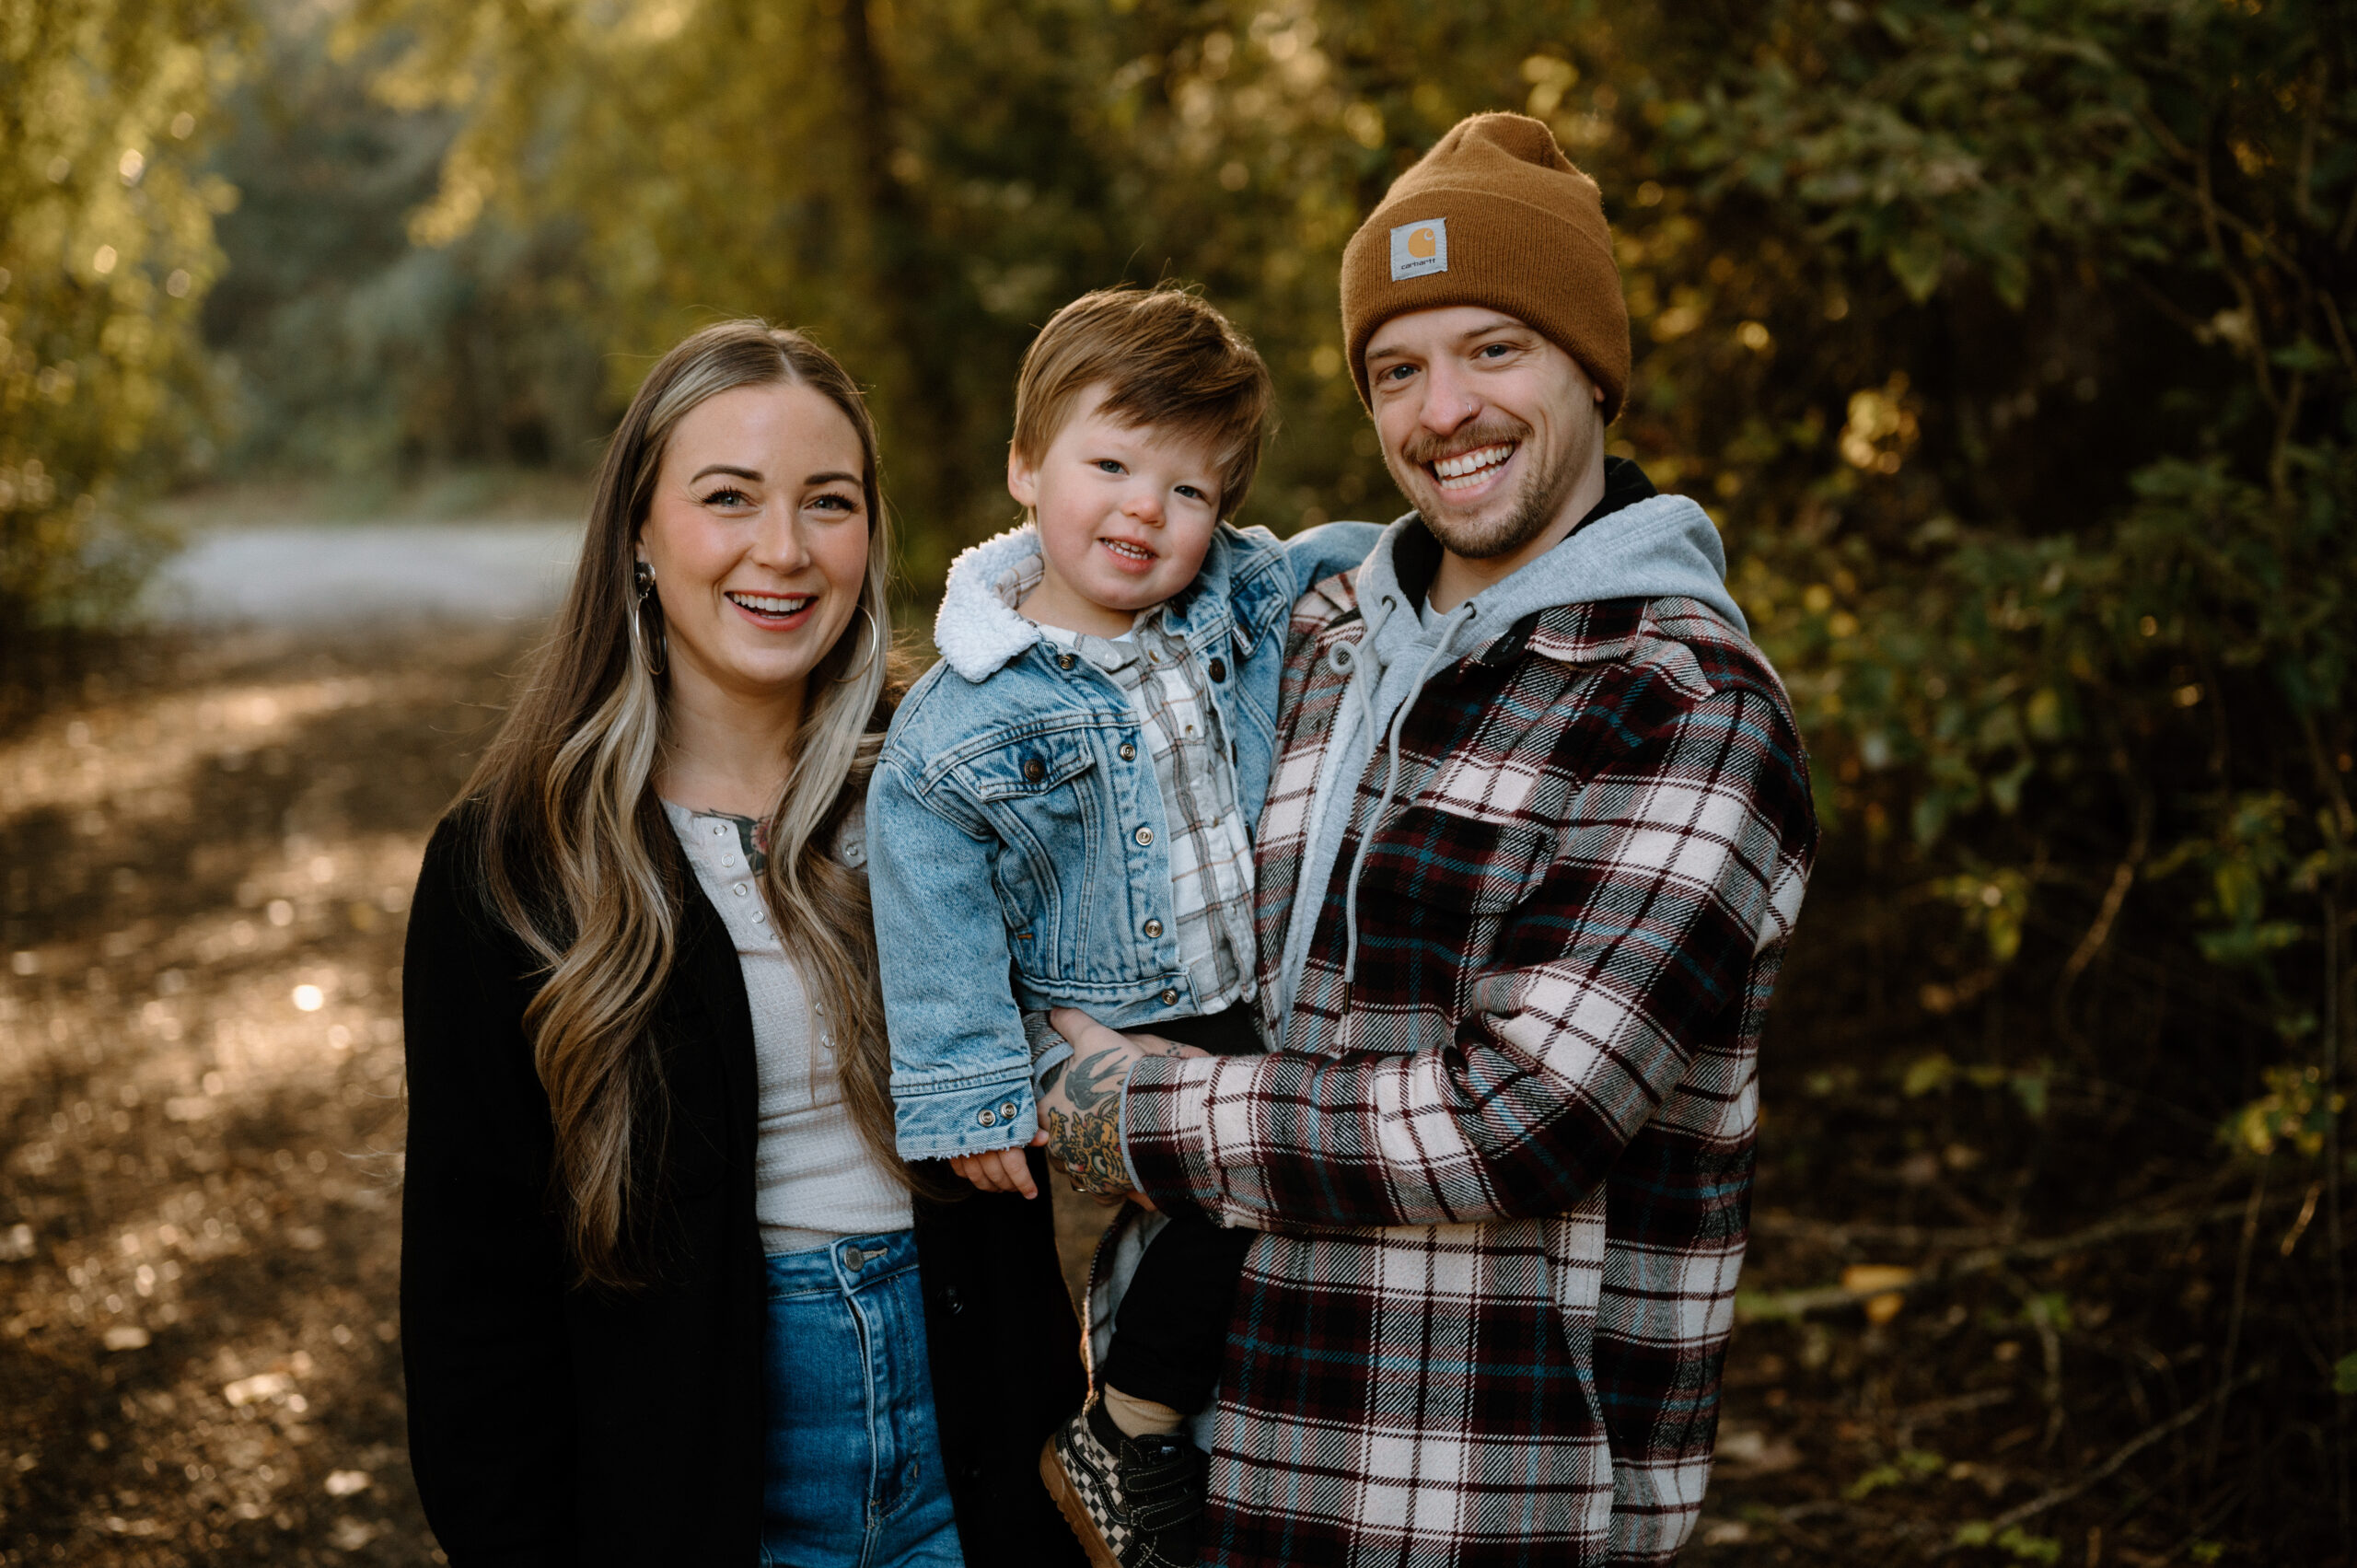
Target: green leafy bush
<point>106,251</point>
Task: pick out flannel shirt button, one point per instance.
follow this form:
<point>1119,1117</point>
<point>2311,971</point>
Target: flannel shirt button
<point>1154,928</point>
<point>986,1117</point>
<point>1129,752</point>
<point>1006,1111</point>
<point>1170,998</point>
<point>1219,670</point>
<point>1035,770</point>
<point>1144,836</point>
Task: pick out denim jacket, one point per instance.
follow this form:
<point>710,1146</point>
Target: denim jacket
<point>1017,835</point>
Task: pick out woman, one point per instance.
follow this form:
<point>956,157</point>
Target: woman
<point>667,1294</point>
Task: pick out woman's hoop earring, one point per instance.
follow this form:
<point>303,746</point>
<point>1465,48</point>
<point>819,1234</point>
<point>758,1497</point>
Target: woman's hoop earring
<point>655,654</point>
<point>850,675</point>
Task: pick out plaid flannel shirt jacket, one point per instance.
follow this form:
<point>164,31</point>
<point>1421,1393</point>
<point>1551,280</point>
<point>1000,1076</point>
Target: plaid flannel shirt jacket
<point>1504,1174</point>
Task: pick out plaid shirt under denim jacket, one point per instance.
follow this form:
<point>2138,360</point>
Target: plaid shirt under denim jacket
<point>1019,846</point>
<point>1505,1202</point>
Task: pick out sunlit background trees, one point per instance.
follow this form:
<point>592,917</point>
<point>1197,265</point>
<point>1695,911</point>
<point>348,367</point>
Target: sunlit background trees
<point>2008,343</point>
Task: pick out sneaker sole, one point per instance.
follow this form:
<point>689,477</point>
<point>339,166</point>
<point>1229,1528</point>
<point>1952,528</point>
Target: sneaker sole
<point>1075,1512</point>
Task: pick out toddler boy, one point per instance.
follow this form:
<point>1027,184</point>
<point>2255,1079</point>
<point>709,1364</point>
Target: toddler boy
<point>1061,817</point>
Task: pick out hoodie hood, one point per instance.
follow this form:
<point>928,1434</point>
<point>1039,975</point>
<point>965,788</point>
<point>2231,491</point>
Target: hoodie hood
<point>977,627</point>
<point>1661,547</point>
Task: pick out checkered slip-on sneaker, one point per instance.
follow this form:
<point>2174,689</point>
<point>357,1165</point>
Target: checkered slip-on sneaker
<point>1131,1501</point>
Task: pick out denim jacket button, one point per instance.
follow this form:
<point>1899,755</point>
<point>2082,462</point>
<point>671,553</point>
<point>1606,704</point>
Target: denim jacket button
<point>1063,661</point>
<point>1170,999</point>
<point>1146,835</point>
<point>1129,752</point>
<point>1006,1111</point>
<point>986,1117</point>
<point>1154,928</point>
<point>1035,770</point>
<point>1219,670</point>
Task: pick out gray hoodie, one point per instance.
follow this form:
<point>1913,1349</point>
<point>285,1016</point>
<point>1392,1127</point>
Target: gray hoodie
<point>1659,547</point>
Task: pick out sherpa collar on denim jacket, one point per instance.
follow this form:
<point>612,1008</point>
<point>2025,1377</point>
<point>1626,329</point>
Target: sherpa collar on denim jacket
<point>979,632</point>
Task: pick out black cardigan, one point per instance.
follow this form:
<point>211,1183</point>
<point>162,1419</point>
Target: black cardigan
<point>553,1424</point>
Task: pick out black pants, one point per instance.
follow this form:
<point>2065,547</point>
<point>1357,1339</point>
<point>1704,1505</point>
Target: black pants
<point>1172,1330</point>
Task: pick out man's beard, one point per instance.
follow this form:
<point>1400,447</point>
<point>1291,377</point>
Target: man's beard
<point>1537,505</point>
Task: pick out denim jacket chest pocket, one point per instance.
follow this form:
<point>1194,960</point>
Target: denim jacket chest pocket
<point>1054,809</point>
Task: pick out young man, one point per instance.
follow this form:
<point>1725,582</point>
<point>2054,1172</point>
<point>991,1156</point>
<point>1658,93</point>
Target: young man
<point>1536,839</point>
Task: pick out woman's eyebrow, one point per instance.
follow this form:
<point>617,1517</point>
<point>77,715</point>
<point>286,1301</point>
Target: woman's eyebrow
<point>833,477</point>
<point>753,474</point>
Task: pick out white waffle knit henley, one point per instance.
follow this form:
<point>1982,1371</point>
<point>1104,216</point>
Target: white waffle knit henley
<point>817,1179</point>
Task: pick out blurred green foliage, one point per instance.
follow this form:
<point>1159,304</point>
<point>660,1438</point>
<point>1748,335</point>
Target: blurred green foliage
<point>350,354</point>
<point>106,249</point>
<point>2007,340</point>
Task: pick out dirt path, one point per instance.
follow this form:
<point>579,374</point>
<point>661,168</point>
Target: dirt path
<point>200,1095</point>
<point>353,574</point>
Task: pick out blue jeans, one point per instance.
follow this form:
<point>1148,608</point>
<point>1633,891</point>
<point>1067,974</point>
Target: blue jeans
<point>854,1476</point>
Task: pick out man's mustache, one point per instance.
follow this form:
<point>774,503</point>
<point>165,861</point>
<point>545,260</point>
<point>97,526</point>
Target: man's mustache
<point>1492,430</point>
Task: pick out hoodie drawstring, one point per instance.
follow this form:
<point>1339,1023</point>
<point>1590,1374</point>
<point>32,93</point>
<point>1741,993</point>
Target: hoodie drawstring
<point>1456,622</point>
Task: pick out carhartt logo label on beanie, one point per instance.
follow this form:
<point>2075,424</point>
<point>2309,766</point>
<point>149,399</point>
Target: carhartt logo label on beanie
<point>1418,248</point>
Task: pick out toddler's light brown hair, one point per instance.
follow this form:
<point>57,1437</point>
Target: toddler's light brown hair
<point>1166,359</point>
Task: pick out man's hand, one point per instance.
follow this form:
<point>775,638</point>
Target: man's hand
<point>1080,1099</point>
<point>999,1170</point>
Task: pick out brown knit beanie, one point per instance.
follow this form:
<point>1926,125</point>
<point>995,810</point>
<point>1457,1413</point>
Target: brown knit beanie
<point>1493,216</point>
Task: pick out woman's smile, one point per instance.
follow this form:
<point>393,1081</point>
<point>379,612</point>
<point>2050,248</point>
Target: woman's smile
<point>774,612</point>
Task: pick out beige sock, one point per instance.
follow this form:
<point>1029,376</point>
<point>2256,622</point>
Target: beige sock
<point>1137,1418</point>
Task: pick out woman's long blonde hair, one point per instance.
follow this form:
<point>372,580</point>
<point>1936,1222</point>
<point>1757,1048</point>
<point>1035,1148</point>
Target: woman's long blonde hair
<point>577,857</point>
